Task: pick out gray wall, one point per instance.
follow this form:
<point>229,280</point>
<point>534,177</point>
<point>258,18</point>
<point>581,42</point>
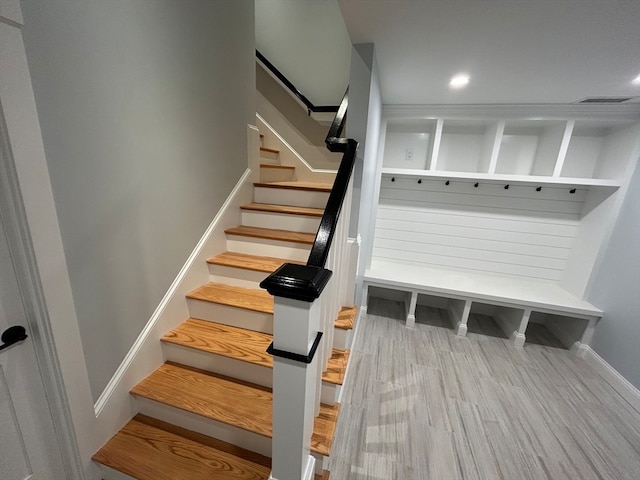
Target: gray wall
<point>363,124</point>
<point>143,107</point>
<point>616,290</point>
<point>290,119</point>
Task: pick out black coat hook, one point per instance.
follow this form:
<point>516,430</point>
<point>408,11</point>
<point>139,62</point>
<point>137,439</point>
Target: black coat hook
<point>393,179</point>
<point>538,189</point>
<point>476,184</point>
<point>447,182</point>
<point>419,180</point>
<point>573,190</point>
<point>506,187</point>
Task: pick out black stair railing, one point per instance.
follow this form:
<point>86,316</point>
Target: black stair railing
<point>306,282</point>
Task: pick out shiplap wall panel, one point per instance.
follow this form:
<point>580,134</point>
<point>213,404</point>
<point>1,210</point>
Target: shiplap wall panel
<point>482,199</point>
<point>471,221</point>
<point>517,232</point>
<point>395,230</point>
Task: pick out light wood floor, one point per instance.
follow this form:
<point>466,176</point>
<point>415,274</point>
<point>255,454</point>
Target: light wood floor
<point>424,404</point>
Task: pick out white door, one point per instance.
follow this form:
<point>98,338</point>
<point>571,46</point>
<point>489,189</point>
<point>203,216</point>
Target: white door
<point>28,445</point>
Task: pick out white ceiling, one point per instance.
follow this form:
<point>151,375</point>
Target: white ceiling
<point>516,51</point>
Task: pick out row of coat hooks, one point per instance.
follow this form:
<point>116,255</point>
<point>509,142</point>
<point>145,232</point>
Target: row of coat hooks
<point>477,184</point>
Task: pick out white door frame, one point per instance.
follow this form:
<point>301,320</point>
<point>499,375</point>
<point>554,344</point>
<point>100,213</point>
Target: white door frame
<point>28,207</point>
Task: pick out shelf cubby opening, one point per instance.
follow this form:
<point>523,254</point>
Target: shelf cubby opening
<point>530,147</point>
<point>467,146</point>
<point>388,302</point>
<point>597,149</point>
<point>409,144</point>
<point>434,311</point>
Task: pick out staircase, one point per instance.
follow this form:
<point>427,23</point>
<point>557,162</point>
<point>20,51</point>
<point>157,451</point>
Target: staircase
<point>206,412</point>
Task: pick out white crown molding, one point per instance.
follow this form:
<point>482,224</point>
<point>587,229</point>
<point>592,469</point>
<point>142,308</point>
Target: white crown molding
<point>620,112</point>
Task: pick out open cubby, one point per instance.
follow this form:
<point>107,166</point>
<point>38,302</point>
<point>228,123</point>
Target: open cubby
<point>408,144</point>
<point>388,302</point>
<point>433,310</point>
<point>554,330</point>
<point>593,150</point>
<point>466,145</point>
<point>530,147</point>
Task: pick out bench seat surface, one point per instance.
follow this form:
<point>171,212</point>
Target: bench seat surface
<point>534,294</point>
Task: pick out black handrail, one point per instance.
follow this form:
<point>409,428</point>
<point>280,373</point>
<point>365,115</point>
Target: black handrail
<point>306,282</point>
<point>296,93</point>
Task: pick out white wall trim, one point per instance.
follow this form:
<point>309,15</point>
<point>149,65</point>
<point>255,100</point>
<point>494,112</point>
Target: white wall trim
<point>628,111</point>
<point>114,408</point>
<point>620,384</point>
<point>293,153</point>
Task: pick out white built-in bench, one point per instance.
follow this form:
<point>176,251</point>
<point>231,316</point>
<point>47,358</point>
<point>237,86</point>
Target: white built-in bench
<point>516,302</point>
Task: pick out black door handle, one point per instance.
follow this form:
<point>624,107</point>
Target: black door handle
<point>12,335</point>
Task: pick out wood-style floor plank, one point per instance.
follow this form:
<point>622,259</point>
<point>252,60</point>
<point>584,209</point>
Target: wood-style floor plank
<point>244,345</point>
<point>306,238</point>
<point>479,407</point>
<point>227,400</point>
<point>240,297</point>
<point>149,449</point>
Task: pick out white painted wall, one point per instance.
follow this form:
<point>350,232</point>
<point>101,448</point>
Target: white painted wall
<point>616,290</point>
<point>308,42</point>
<point>143,108</point>
<point>364,119</point>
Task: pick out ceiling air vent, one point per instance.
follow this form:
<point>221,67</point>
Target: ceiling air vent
<point>605,99</point>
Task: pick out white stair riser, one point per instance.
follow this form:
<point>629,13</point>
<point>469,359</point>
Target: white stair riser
<point>342,339</point>
<point>286,196</point>
<point>232,367</point>
<point>107,473</point>
<point>227,433</point>
<point>330,393</point>
<point>268,248</point>
<point>281,221</point>
<point>269,157</point>
<point>277,174</point>
<point>232,316</point>
<point>238,277</point>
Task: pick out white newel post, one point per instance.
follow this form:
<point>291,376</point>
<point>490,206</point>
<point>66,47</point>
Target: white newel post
<point>296,350</point>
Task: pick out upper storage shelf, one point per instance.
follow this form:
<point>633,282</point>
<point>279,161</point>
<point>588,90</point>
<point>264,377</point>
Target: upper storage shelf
<point>577,149</point>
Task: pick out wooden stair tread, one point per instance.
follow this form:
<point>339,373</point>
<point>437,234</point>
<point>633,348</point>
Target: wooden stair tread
<point>309,186</point>
<point>227,400</point>
<point>272,234</point>
<point>244,345</point>
<point>270,150</point>
<point>149,449</point>
<point>346,318</point>
<point>287,209</point>
<point>249,262</point>
<point>279,167</point>
<point>240,297</point>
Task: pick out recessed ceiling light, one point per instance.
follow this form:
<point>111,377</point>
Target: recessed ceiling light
<point>636,81</point>
<point>459,81</point>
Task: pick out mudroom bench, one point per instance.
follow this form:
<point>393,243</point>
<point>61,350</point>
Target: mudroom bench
<point>514,302</point>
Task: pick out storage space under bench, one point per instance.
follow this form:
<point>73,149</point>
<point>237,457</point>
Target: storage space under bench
<point>513,304</point>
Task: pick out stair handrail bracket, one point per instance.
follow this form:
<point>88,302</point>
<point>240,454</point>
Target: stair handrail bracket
<point>303,323</point>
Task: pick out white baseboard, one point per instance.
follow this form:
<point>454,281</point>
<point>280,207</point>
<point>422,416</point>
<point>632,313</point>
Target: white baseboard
<point>114,408</point>
<point>620,384</point>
